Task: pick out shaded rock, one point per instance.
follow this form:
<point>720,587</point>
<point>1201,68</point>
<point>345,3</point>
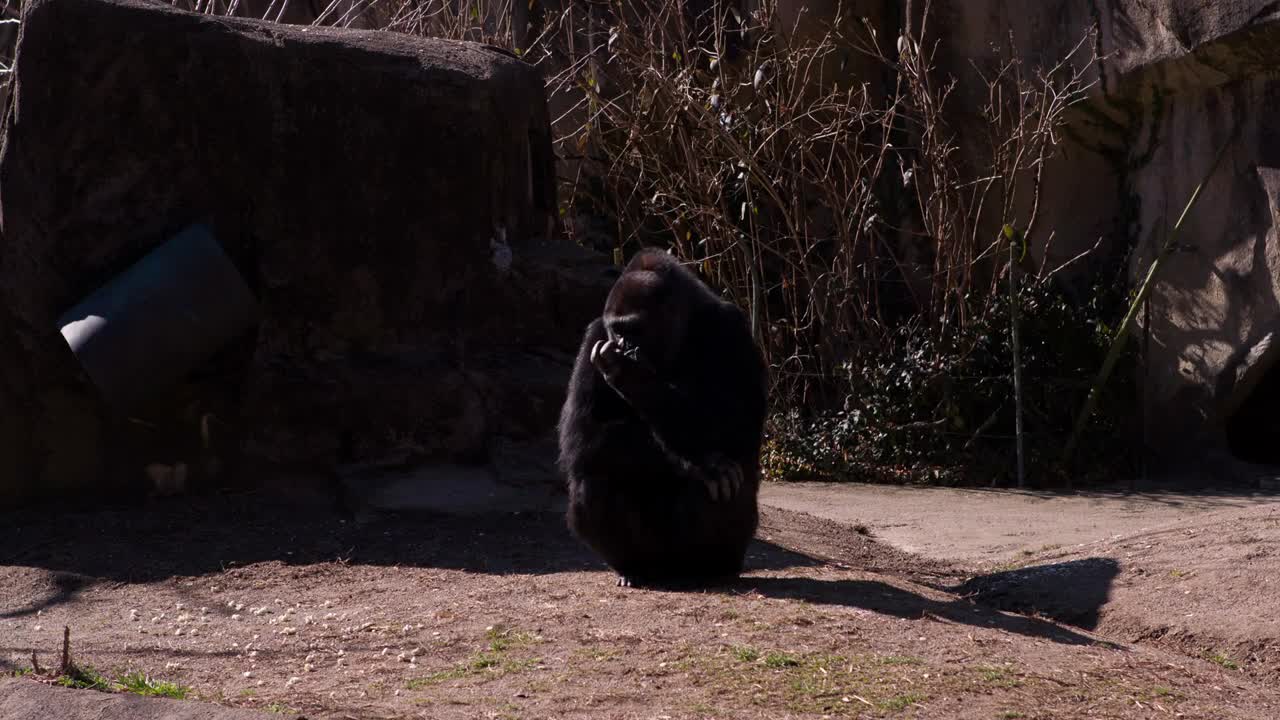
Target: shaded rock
<point>1172,82</point>
<point>388,199</point>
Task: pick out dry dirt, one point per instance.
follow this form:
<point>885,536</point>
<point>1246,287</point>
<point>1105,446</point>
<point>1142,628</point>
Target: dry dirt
<point>986,527</point>
<point>254,604</point>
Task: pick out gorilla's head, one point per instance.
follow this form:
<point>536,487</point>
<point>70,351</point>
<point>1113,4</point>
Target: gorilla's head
<point>648,309</point>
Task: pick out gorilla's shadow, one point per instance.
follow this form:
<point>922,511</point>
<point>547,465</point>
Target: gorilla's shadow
<point>191,537</point>
<point>1071,592</point>
<point>886,599</point>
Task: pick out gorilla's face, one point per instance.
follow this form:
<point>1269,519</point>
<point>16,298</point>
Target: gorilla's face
<point>645,314</point>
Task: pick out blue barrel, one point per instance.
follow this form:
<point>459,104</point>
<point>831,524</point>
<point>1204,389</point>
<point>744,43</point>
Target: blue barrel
<point>151,325</point>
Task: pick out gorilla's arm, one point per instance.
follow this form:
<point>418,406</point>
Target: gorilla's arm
<point>601,430</point>
<point>714,404</point>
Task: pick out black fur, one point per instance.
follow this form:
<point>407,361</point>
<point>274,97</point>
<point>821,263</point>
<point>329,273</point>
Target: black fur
<point>691,409</point>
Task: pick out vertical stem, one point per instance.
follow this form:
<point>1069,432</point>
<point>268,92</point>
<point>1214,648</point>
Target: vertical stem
<point>1017,362</point>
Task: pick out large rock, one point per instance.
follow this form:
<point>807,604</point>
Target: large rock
<point>387,198</point>
<point>1172,81</point>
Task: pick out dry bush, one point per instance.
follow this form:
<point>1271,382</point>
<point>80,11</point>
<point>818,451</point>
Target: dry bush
<point>866,237</point>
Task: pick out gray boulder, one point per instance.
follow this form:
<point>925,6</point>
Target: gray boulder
<point>389,200</point>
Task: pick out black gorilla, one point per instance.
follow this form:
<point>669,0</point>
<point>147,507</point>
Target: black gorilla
<point>660,434</point>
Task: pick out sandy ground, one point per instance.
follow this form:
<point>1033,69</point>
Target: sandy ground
<point>989,527</point>
<point>503,615</point>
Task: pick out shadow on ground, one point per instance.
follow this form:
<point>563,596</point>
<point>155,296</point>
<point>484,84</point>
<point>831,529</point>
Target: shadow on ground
<point>192,537</point>
<point>1071,592</point>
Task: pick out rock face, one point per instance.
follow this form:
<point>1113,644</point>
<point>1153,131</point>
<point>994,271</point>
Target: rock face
<point>387,198</point>
<point>1175,80</point>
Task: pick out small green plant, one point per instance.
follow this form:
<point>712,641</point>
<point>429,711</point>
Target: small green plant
<point>1011,715</point>
<point>437,677</point>
<point>598,654</point>
<point>84,678</point>
<point>138,683</point>
<point>746,654</point>
<point>279,708</point>
<point>502,638</point>
<point>1223,659</point>
<point>998,676</point>
<point>780,660</point>
<point>899,660</point>
<point>22,672</point>
<point>484,662</point>
<point>901,702</point>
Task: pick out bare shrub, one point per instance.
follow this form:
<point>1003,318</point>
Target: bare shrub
<point>865,231</point>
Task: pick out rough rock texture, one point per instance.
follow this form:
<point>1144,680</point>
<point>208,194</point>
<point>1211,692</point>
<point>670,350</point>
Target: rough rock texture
<point>1175,78</point>
<point>22,699</point>
<point>1172,82</point>
<point>386,197</point>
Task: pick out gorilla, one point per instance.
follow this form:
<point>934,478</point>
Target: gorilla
<point>660,433</point>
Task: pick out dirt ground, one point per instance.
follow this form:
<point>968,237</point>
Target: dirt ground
<point>987,527</point>
<point>259,605</point>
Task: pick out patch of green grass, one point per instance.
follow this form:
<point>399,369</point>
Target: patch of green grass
<point>1010,715</point>
<point>248,692</point>
<point>85,678</point>
<point>1223,659</point>
<point>520,664</point>
<point>1178,574</point>
<point>746,654</point>
<point>778,660</point>
<point>22,672</point>
<point>139,684</point>
<point>437,677</point>
<point>998,676</point>
<point>280,708</point>
<point>901,702</point>
<point>479,664</point>
<point>899,660</point>
<point>502,638</point>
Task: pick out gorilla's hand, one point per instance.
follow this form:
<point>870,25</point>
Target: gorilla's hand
<point>624,369</point>
<point>723,478</point>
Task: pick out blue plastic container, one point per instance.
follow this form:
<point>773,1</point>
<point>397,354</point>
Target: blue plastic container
<point>154,323</point>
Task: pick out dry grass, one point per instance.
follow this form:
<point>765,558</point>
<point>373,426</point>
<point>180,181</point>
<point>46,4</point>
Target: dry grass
<point>818,178</point>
